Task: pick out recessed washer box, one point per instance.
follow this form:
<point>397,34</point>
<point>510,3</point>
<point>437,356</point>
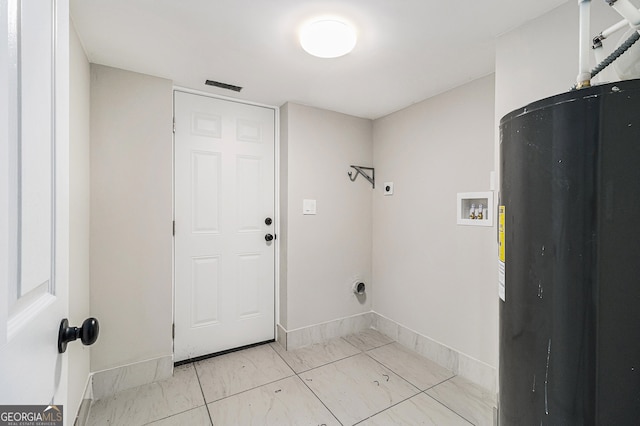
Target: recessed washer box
<point>387,188</point>
<point>475,208</point>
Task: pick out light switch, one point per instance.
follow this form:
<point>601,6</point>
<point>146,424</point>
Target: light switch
<point>308,206</point>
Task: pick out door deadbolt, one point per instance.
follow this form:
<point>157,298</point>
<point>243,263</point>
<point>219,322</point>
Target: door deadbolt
<point>268,221</point>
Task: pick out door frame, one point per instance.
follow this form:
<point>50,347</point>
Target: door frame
<point>276,183</point>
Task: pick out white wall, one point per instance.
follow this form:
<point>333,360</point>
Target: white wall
<point>131,216</point>
<point>79,212</point>
<point>326,252</point>
<point>431,275</point>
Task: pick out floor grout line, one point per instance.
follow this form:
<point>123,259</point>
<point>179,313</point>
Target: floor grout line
<point>354,355</point>
<point>388,408</point>
<point>318,398</point>
<point>397,374</point>
<point>293,373</point>
<point>204,399</point>
<point>349,343</point>
<point>439,383</point>
<point>250,389</point>
<point>449,408</point>
<point>329,363</point>
<point>311,390</point>
<point>318,366</point>
<point>172,415</point>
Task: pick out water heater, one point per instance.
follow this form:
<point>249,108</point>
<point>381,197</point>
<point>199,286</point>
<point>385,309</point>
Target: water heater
<point>570,238</point>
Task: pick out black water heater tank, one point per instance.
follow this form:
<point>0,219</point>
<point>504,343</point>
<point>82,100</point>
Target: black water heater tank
<point>570,235</point>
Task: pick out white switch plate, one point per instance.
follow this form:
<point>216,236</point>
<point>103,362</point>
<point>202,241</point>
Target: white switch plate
<point>387,188</point>
<point>308,206</point>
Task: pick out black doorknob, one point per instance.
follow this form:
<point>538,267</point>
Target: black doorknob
<point>269,237</point>
<point>88,333</point>
<point>268,221</point>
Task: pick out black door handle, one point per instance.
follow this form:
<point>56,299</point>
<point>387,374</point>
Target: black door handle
<point>269,237</point>
<point>88,333</point>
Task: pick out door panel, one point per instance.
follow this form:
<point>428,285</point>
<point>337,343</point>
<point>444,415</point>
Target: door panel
<point>248,192</point>
<point>205,286</point>
<point>205,182</point>
<point>248,289</point>
<point>35,145</point>
<point>34,202</point>
<point>224,190</point>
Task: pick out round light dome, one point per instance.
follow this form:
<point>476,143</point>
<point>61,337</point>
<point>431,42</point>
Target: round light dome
<point>328,38</point>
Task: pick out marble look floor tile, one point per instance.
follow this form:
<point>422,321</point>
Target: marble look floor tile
<point>411,366</point>
<point>196,417</point>
<point>419,410</point>
<point>285,402</point>
<point>467,399</point>
<point>150,402</point>
<point>357,387</point>
<point>368,339</point>
<point>313,356</point>
<point>236,372</point>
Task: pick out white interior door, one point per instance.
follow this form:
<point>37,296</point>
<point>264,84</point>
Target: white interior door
<point>33,200</point>
<point>224,193</point>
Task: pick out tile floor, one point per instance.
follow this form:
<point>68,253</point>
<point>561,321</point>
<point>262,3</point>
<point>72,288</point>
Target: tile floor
<point>364,379</point>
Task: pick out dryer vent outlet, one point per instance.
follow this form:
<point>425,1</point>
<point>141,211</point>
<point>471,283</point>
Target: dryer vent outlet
<point>358,288</point>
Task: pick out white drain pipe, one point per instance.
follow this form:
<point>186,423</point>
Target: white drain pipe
<point>584,72</point>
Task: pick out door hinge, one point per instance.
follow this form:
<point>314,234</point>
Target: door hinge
<point>173,331</point>
<point>174,125</point>
<point>174,228</point>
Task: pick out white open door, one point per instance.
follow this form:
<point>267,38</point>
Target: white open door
<point>33,200</point>
<point>224,206</point>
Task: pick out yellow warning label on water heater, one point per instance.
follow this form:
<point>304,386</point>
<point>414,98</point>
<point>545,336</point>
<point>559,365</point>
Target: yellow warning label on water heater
<point>501,233</point>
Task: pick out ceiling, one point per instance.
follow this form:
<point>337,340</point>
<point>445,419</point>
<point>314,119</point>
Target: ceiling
<point>407,50</point>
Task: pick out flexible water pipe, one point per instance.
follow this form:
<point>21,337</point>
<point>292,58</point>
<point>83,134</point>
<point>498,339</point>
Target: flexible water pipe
<point>584,73</point>
<point>628,12</point>
<point>614,28</point>
<point>598,51</point>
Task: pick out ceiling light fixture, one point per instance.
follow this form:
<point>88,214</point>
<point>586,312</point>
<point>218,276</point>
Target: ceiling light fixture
<point>328,38</point>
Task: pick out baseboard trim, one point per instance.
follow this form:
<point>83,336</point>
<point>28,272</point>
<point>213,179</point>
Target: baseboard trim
<point>106,383</point>
<point>458,362</point>
<point>281,336</point>
<point>317,333</point>
<point>82,416</point>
